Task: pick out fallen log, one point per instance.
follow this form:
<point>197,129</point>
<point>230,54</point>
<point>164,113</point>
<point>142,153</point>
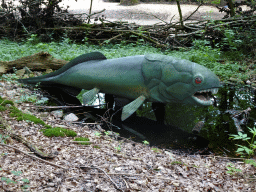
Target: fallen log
<point>39,61</point>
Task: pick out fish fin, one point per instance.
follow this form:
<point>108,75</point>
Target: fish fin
<point>89,95</point>
<point>130,108</point>
<point>76,61</point>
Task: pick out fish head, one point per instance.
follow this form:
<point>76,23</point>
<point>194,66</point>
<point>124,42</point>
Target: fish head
<point>177,80</point>
<point>204,85</point>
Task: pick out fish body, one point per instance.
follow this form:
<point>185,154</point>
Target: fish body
<point>153,77</point>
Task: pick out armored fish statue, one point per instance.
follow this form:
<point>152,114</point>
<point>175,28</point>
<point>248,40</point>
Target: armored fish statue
<point>152,77</point>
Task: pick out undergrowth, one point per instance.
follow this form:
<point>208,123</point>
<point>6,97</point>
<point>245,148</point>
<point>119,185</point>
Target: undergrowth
<point>201,53</point>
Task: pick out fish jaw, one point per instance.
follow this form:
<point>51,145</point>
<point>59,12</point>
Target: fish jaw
<point>205,97</point>
<point>172,80</point>
<point>205,83</point>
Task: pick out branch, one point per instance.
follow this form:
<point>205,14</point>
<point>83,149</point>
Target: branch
<point>33,157</point>
<point>193,12</point>
<point>87,167</point>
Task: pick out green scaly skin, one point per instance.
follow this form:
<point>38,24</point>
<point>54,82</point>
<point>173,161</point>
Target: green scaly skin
<point>155,78</point>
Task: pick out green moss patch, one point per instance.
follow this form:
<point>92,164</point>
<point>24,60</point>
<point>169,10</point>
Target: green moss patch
<point>2,108</point>
<point>82,139</point>
<point>58,132</point>
<point>4,102</point>
<point>23,116</point>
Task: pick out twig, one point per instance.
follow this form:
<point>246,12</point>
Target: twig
<point>95,13</point>
<point>111,38</point>
<point>90,11</point>
<point>193,12</point>
<point>155,17</point>
<point>89,142</point>
<point>33,157</point>
<point>63,107</point>
<point>149,39</point>
<point>104,173</point>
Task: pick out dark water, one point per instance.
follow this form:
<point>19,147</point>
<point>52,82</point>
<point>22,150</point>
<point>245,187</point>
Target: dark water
<point>234,111</point>
<point>221,120</point>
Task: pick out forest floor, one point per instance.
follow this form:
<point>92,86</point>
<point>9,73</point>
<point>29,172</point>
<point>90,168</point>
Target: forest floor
<point>109,163</point>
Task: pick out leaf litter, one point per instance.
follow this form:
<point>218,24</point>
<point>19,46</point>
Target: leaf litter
<point>108,163</point>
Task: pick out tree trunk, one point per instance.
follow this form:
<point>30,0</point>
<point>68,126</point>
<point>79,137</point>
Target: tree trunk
<point>180,13</point>
<point>232,9</point>
<point>38,61</point>
<point>129,2</point>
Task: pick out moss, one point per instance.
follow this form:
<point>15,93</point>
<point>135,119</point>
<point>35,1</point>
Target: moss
<point>2,108</point>
<point>96,146</point>
<point>58,132</point>
<point>23,116</point>
<point>82,139</point>
<point>48,126</point>
<point>4,102</point>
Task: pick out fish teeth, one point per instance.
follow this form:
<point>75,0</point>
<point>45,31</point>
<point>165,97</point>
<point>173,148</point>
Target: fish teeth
<point>213,91</point>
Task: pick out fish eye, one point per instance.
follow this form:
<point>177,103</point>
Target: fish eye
<point>198,80</point>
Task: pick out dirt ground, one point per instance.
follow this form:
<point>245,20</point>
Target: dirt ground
<point>143,13</point>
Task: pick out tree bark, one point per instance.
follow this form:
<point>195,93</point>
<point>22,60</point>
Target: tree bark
<point>180,13</point>
<point>232,9</point>
<point>129,2</point>
<point>38,61</point>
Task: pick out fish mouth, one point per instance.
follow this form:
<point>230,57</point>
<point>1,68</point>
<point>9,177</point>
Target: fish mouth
<point>205,97</point>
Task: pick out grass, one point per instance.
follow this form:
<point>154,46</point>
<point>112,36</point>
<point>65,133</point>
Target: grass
<point>200,53</point>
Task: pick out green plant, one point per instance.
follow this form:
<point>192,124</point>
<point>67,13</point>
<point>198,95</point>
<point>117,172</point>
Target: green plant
<point>251,162</point>
<point>155,150</point>
<point>242,149</point>
<point>118,148</point>
<point>232,169</point>
<point>3,138</point>
<point>7,180</point>
<point>4,102</point>
<point>176,163</point>
<point>97,134</point>
<point>145,142</point>
<point>107,133</point>
<point>58,132</point>
<point>17,173</point>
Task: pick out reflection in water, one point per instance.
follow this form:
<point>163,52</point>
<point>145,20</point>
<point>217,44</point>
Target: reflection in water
<point>158,134</point>
<point>235,111</point>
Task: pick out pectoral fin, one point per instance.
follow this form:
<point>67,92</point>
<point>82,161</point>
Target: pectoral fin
<point>130,108</point>
<point>89,95</point>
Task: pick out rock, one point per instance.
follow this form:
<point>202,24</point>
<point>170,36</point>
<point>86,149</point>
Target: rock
<point>44,114</point>
<point>71,117</point>
<point>50,189</point>
<point>20,72</point>
<point>51,184</point>
<point>57,113</point>
<point>48,71</point>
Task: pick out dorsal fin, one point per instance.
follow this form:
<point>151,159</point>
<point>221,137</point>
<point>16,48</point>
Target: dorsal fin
<point>76,61</point>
